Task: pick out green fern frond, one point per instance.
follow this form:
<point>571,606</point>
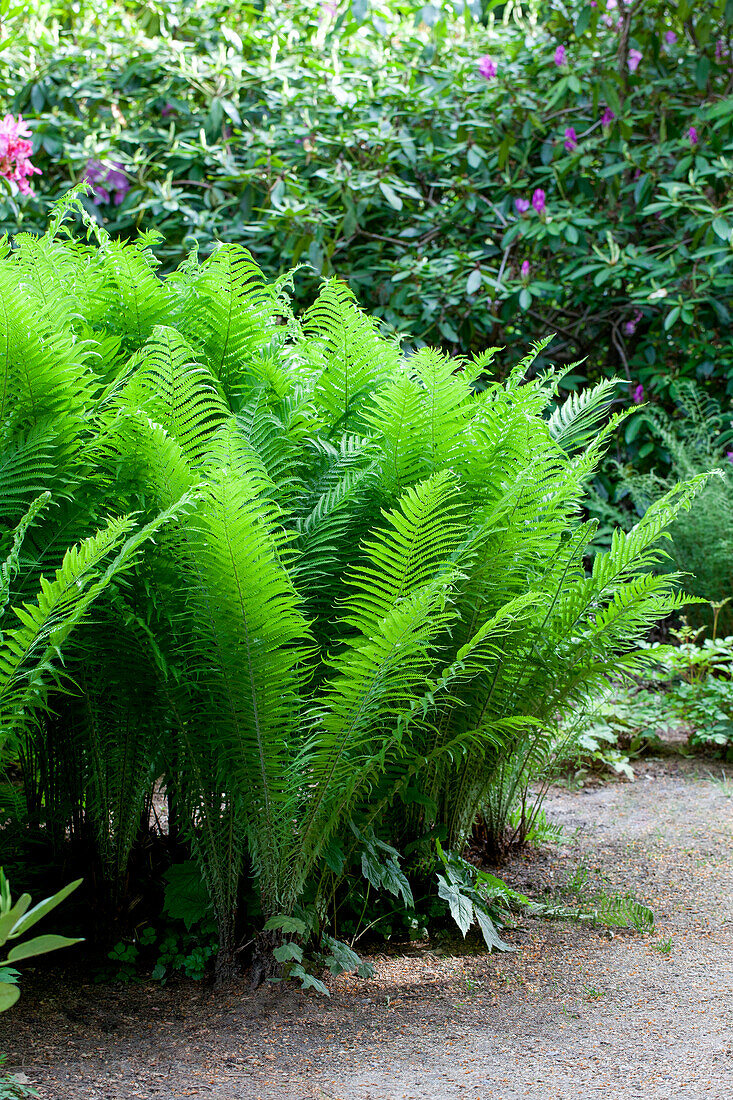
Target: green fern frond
<point>355,358</point>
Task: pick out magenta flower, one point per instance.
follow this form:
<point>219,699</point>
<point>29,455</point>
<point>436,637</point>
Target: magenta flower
<point>521,205</point>
<point>560,56</point>
<point>607,117</point>
<point>720,49</point>
<point>487,67</point>
<point>670,38</point>
<point>729,455</point>
<point>525,269</point>
<point>638,394</point>
<point>571,139</point>
<point>109,183</point>
<point>15,153</point>
<point>630,326</point>
<point>635,57</point>
<point>538,200</point>
<point>167,109</point>
<point>692,135</point>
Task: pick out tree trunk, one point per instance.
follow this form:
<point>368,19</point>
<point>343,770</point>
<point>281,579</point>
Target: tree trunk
<point>228,967</point>
<point>264,963</point>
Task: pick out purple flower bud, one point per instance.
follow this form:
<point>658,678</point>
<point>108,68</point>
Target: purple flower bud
<point>538,200</point>
<point>525,269</point>
<point>607,117</point>
<point>560,56</point>
<point>571,139</point>
<point>692,135</point>
<point>630,326</point>
<point>638,394</point>
<point>635,57</point>
<point>521,205</point>
<point>487,67</point>
<point>168,109</point>
<point>720,49</point>
<point>729,455</point>
<point>670,38</point>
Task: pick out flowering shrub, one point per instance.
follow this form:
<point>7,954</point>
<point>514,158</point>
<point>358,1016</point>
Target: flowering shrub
<point>475,182</point>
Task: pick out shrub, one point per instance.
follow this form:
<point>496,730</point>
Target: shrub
<point>365,596</point>
<point>697,438</point>
<point>477,181</point>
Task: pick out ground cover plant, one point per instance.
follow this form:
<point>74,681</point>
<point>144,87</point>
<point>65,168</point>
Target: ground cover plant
<point>479,174</point>
<point>353,600</point>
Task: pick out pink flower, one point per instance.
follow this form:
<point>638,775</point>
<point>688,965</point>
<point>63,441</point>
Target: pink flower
<point>168,109</point>
<point>538,200</point>
<point>638,394</point>
<point>525,270</point>
<point>670,38</point>
<point>15,153</point>
<point>692,135</point>
<point>487,67</point>
<point>560,56</point>
<point>635,57</point>
<point>571,139</point>
<point>720,49</point>
<point>607,117</point>
<point>521,205</point>
<point>729,455</point>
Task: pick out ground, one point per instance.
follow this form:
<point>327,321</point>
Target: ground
<point>575,1013</point>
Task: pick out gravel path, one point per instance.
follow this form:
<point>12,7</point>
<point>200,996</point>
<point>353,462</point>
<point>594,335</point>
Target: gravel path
<point>575,1014</point>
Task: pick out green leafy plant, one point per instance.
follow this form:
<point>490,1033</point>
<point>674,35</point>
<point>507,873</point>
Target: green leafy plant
<point>16,919</point>
<point>409,170</point>
<point>698,437</point>
<point>355,592</point>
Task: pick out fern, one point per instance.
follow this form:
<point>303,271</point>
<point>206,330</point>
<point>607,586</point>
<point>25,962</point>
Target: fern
<point>346,574</point>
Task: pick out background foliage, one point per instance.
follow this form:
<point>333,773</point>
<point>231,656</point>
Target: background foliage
<point>364,139</point>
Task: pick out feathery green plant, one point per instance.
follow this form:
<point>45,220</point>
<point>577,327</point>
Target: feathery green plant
<point>361,596</point>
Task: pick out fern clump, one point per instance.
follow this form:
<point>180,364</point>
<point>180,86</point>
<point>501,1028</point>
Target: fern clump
<point>355,594</point>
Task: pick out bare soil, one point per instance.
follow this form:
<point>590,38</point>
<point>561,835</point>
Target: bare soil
<point>575,1013</point>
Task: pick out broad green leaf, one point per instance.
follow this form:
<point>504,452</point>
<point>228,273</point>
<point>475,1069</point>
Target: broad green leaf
<point>583,21</point>
<point>34,915</point>
<point>39,945</point>
<point>8,995</point>
<point>461,907</point>
<point>390,195</point>
<point>286,924</point>
<point>9,920</point>
<point>474,281</point>
<point>288,951</point>
<point>492,939</point>
<point>721,228</point>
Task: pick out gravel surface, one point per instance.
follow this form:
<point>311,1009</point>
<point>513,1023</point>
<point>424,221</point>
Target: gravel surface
<point>576,1013</point>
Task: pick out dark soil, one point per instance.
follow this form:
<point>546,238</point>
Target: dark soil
<point>577,1012</point>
